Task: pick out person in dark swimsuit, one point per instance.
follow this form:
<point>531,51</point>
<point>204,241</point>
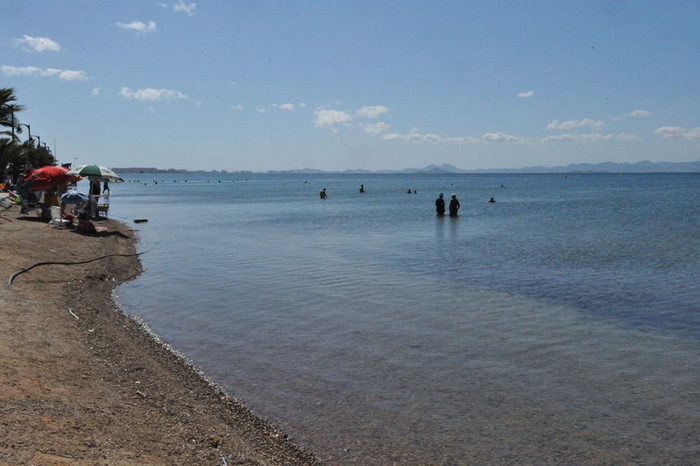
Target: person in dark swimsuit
<point>440,205</point>
<point>454,206</point>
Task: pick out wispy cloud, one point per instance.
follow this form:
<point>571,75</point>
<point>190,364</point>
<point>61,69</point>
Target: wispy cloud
<point>498,137</point>
<point>589,138</point>
<point>414,137</point>
<point>677,132</point>
<point>332,120</point>
<point>150,94</point>
<point>139,26</point>
<point>182,7</point>
<point>525,95</point>
<point>375,128</point>
<point>502,137</point>
<point>38,44</point>
<point>634,114</point>
<point>284,106</point>
<point>65,75</point>
<point>372,112</point>
<point>95,91</point>
<point>572,124</point>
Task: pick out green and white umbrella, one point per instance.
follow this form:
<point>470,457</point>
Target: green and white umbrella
<point>95,172</point>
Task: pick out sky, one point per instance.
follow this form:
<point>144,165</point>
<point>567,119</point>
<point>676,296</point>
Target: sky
<point>341,85</point>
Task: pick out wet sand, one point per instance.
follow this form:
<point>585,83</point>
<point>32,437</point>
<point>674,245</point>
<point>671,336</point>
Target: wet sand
<point>83,384</point>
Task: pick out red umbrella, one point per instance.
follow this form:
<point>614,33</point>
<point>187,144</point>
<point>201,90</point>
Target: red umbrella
<point>48,177</point>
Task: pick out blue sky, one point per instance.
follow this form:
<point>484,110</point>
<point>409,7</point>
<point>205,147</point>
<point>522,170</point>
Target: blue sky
<point>336,85</point>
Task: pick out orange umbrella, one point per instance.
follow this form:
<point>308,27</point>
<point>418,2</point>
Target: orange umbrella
<point>48,177</point>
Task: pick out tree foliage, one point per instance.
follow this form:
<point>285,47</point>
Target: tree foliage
<point>17,157</point>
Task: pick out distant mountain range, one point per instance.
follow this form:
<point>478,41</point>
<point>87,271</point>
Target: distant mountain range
<point>607,167</point>
<point>445,168</point>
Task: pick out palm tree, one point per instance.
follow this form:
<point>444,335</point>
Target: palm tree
<point>10,150</point>
<point>8,110</point>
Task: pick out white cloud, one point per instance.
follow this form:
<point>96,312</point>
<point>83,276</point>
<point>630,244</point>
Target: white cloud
<point>571,124</point>
<point>95,91</point>
<point>525,95</point>
<point>139,26</point>
<point>634,114</point>
<point>65,75</point>
<point>331,119</point>
<point>261,110</point>
<point>372,111</point>
<point>496,137</point>
<point>501,137</point>
<point>182,7</point>
<point>238,107</point>
<point>68,75</point>
<point>415,137</point>
<point>150,94</point>
<point>590,138</point>
<point>13,71</point>
<point>284,106</point>
<point>677,132</point>
<point>376,128</point>
<point>38,44</point>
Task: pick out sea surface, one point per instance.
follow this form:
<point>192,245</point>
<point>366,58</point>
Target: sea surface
<point>558,325</point>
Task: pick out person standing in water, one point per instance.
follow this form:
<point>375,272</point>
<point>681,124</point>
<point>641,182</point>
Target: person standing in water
<point>440,205</point>
<point>362,188</point>
<point>454,205</point>
<point>322,194</point>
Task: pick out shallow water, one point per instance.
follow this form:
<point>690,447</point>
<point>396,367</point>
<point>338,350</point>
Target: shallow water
<point>558,324</point>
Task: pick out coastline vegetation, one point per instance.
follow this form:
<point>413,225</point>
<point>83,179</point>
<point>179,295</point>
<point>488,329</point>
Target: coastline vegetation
<point>17,156</point>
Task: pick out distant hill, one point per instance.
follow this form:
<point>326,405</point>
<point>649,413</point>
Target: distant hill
<point>445,168</point>
<point>607,167</point>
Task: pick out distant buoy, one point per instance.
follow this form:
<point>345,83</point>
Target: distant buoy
<point>140,220</point>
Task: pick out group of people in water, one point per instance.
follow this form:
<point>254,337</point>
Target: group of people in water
<point>453,206</point>
<point>440,206</point>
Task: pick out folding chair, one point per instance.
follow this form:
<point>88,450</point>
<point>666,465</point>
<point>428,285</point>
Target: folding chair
<point>29,200</point>
<point>103,206</point>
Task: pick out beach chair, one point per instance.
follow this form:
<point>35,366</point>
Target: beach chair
<point>103,206</point>
<point>26,207</point>
<point>29,201</point>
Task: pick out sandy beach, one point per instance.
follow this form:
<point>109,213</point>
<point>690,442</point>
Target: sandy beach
<point>83,384</point>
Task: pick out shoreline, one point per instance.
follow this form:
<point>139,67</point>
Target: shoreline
<point>83,383</point>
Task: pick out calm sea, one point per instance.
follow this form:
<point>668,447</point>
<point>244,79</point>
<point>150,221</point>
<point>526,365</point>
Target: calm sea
<point>559,325</point>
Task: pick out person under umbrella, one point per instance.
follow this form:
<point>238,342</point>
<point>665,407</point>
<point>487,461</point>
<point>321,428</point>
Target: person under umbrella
<point>94,195</point>
<point>72,198</point>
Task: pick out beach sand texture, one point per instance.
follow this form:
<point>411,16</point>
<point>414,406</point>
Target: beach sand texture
<point>83,384</point>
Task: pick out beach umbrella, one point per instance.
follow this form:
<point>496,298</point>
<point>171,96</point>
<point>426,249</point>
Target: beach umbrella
<point>95,172</point>
<point>73,197</point>
<point>47,177</point>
